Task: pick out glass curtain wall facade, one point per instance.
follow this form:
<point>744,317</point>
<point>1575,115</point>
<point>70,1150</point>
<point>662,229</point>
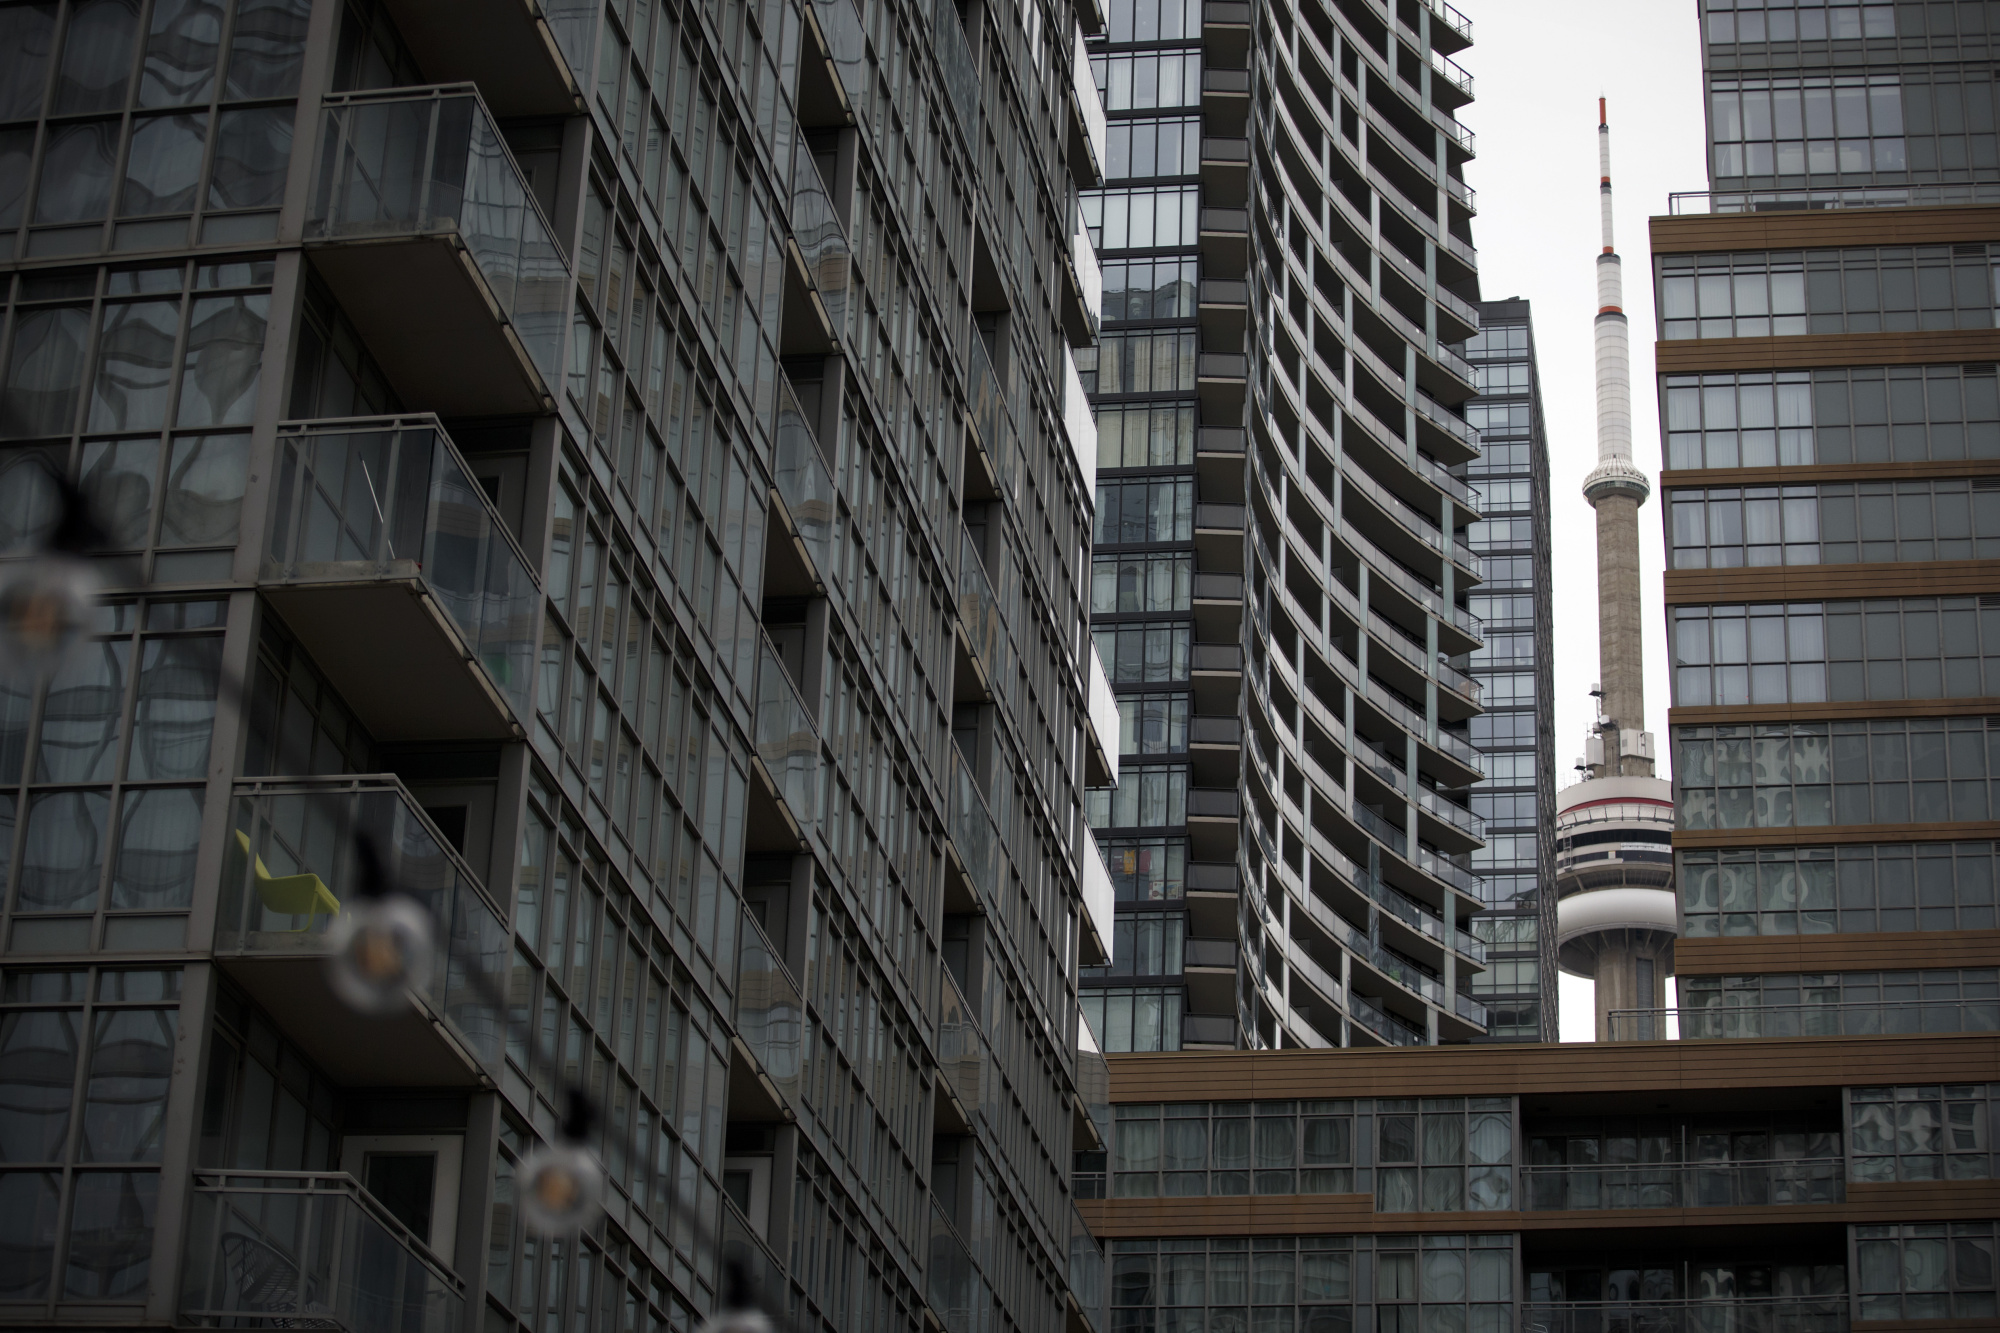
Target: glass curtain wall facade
<point>1281,454</point>
<point>1824,400</point>
<point>1515,670</point>
<point>631,467</point>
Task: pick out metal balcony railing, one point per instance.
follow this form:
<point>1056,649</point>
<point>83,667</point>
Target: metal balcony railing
<point>309,1250</point>
<point>1776,1182</point>
<point>1862,1018</point>
<point>1742,1314</point>
<point>1383,1024</point>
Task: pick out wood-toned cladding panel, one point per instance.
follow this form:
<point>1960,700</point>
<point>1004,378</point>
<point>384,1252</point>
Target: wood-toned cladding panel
<point>1971,830</point>
<point>1837,953</point>
<point>1804,229</point>
<point>1333,1214</point>
<point>1607,1067</point>
<point>1926,578</point>
<point>1686,356</point>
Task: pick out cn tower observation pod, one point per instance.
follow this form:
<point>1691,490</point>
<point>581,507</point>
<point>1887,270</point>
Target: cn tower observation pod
<point>1616,918</point>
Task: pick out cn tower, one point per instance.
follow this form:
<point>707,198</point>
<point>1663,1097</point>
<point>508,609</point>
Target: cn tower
<point>1615,913</point>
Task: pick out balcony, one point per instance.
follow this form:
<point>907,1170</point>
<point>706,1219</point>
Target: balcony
<point>1089,1291</point>
<point>1218,460</point>
<point>309,1250</point>
<point>1225,32</point>
<point>401,580</point>
<point>974,836</point>
<point>1778,1183</point>
<point>805,509</point>
<point>957,1295</point>
<point>815,290</point>
<point>1209,968</point>
<point>1218,537</point>
<point>1208,1032</point>
<point>1212,814</point>
<point>422,226</point>
<point>982,632</point>
<point>1743,1314</point>
<point>1215,746</point>
<point>1385,1027</point>
<point>962,1056</point>
<point>290,865</point>
<point>1223,305</point>
<point>1083,290</point>
<point>1216,672</point>
<point>1864,1018</point>
<point>1225,239</point>
<point>1088,131</point>
<point>787,761</point>
<point>770,1024</point>
<point>1100,752</point>
<point>1225,168</point>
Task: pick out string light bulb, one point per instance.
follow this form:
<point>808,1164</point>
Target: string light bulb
<point>562,1183</point>
<point>46,607</point>
<point>738,1312</point>
<point>383,948</point>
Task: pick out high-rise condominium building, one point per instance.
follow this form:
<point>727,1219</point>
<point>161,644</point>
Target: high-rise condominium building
<point>1516,672</point>
<point>1279,590</point>
<point>620,467</point>
<point>1826,364</point>
<point>1817,1150</point>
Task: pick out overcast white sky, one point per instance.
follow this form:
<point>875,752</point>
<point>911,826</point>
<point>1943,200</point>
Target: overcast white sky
<point>1538,68</point>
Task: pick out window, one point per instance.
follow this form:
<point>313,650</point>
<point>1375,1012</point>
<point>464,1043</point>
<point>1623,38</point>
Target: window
<point>1801,20</point>
<point>1141,219</point>
<point>1803,774</point>
<point>1146,870</point>
<point>1155,20</point>
<point>83,1135</point>
<point>1153,724</point>
<point>1235,1148</point>
<point>1147,796</point>
<point>1851,889</point>
<point>1859,415</point>
<point>1134,1018</point>
<point>1921,1133</point>
<point>1506,975</point>
<point>1144,653</point>
<point>1825,291</point>
<point>105,788</point>
<point>1138,435</point>
<point>1160,362</point>
<point>1136,289</point>
<point>1890,648</point>
<point>1925,1270</point>
<point>1849,124</point>
<point>1153,147</point>
<point>1151,511</point>
<point>1145,944</point>
<point>1128,583</point>
<point>1729,527</point>
<point>1445,1154</point>
<point>1840,1003</point>
<point>1146,82</point>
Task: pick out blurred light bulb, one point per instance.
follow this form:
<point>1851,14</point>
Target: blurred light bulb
<point>562,1188</point>
<point>738,1321</point>
<point>383,949</point>
<point>46,607</point>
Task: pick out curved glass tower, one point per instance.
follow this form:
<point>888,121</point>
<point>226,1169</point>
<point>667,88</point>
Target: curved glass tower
<point>1282,570</point>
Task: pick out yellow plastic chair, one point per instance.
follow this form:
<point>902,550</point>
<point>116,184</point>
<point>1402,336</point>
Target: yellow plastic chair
<point>290,895</point>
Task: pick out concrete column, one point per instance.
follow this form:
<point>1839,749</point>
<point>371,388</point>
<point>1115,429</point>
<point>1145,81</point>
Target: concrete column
<point>1632,974</point>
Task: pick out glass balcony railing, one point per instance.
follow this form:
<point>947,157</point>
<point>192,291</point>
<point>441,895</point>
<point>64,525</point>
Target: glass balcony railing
<point>803,482</point>
<point>769,1015</point>
<point>1383,1024</point>
<point>992,417</point>
<point>787,740</point>
<point>961,1047</point>
<point>1747,1314</point>
<point>1086,1273</point>
<point>432,162</point>
<point>1862,1018</point>
<point>384,498</point>
<point>308,1250</point>
<point>1789,1181</point>
<point>979,612</point>
<point>822,241</point>
<point>291,866</point>
<point>973,832</point>
<point>956,1292</point>
<point>961,75</point>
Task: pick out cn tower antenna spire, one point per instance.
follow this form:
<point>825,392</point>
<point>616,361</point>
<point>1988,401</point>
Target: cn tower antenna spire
<point>1616,489</point>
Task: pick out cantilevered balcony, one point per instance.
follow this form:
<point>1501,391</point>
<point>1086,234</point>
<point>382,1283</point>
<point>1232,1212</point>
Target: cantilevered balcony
<point>393,568</point>
<point>308,1250</point>
<point>291,866</point>
<point>424,229</point>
